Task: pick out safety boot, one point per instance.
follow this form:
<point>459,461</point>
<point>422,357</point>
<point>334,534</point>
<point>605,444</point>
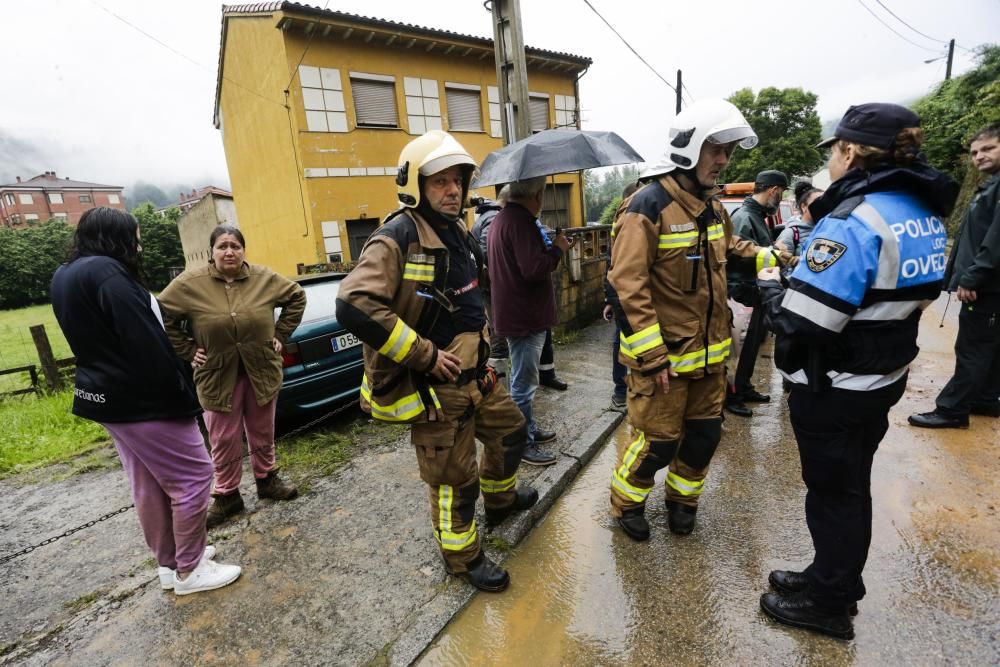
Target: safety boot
<point>275,488</point>
<point>680,517</point>
<point>634,523</point>
<point>524,497</point>
<point>223,507</point>
<point>790,581</point>
<point>798,609</point>
<point>484,574</point>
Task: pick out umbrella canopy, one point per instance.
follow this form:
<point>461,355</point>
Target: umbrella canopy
<point>554,152</point>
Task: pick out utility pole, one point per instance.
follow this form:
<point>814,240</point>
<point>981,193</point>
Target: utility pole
<point>512,70</point>
<point>678,91</point>
<point>951,55</point>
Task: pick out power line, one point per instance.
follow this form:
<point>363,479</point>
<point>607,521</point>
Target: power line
<point>660,76</point>
<point>304,52</point>
<point>922,34</point>
<point>897,33</point>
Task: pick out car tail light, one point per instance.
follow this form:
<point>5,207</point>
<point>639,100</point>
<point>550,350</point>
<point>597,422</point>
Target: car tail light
<point>290,356</point>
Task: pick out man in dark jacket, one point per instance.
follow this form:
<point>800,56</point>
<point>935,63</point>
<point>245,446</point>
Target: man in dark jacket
<point>523,299</point>
<point>749,223</point>
<point>974,273</point>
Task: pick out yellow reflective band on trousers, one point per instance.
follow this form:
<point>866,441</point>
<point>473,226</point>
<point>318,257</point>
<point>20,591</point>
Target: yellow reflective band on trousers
<point>619,479</point>
<point>766,259</point>
<point>641,341</point>
<point>692,361</point>
<point>402,410</point>
<point>400,341</point>
<point>497,485</point>
<point>685,487</point>
<point>418,272</point>
<point>450,540</point>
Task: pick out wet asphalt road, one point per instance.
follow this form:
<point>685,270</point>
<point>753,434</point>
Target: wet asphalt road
<point>584,594</point>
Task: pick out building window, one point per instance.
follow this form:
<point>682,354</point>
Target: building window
<point>30,217</point>
<point>423,107</point>
<point>55,198</point>
<point>493,98</point>
<point>25,199</point>
<point>331,241</point>
<point>538,107</point>
<point>84,199</point>
<point>464,108</point>
<point>374,100</point>
<point>15,219</point>
<point>114,199</point>
<point>323,99</point>
<point>565,111</point>
<point>9,198</point>
<point>60,216</point>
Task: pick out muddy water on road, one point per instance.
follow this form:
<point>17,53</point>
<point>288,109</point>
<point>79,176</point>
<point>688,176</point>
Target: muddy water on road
<point>584,594</point>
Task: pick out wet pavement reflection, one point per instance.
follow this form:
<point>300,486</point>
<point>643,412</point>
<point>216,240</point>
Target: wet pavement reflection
<point>584,594</point>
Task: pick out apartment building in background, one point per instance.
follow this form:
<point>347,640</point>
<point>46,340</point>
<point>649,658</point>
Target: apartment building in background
<point>47,196</point>
<point>204,210</point>
<point>314,107</point>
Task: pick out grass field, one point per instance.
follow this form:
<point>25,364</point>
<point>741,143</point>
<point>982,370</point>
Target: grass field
<point>16,346</point>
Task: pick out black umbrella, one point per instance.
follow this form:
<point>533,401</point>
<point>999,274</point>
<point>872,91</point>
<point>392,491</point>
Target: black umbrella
<point>554,152</point>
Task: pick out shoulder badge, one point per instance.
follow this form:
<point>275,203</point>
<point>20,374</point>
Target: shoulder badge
<point>823,253</point>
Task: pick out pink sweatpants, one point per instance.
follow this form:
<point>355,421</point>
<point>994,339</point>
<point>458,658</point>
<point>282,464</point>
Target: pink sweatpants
<point>225,433</point>
<point>171,474</point>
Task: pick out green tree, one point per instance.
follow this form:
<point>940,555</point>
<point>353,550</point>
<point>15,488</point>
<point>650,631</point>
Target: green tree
<point>788,128</point>
<point>28,258</point>
<point>601,188</point>
<point>608,215</point>
<point>162,253</point>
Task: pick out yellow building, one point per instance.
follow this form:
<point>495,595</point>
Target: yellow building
<point>315,106</point>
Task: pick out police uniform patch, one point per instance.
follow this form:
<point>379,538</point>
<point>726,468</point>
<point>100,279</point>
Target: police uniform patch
<point>823,253</point>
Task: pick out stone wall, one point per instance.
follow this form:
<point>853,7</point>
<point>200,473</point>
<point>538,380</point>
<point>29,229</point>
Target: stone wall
<point>579,280</point>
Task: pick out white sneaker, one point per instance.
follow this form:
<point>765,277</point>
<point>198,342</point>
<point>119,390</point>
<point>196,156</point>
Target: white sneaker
<point>208,576</point>
<point>167,575</point>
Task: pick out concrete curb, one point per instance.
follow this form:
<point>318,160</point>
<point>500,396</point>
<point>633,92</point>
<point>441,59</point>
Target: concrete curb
<point>429,620</point>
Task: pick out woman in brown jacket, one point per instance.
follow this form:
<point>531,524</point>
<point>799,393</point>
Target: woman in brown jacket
<point>220,317</point>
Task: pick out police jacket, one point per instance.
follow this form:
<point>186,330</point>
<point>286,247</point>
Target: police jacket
<point>391,301</point>
<point>126,370</point>
<point>975,259</point>
<point>667,282</point>
<point>848,319</point>
<point>749,223</point>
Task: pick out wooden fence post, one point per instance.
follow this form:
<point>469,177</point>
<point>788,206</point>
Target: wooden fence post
<point>52,377</point>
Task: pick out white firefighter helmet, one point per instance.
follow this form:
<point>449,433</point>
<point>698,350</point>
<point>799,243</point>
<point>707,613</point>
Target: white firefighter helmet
<point>428,154</point>
<point>655,170</point>
<point>714,120</point>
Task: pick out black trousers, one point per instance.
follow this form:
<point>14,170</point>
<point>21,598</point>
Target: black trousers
<point>547,362</point>
<point>750,297</point>
<point>838,433</point>
<point>977,361</point>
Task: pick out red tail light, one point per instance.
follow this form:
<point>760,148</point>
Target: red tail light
<point>290,356</point>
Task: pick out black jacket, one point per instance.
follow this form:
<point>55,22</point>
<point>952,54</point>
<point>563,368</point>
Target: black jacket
<point>750,223</point>
<point>975,259</point>
<point>126,369</point>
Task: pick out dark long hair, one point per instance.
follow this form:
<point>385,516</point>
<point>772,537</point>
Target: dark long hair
<point>222,230</point>
<point>109,232</point>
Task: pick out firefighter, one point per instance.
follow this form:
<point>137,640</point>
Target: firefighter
<point>667,287</point>
<point>415,299</point>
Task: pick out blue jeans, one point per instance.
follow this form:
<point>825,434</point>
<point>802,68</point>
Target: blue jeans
<point>525,353</point>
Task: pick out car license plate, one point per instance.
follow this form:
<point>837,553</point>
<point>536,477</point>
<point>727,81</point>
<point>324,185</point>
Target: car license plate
<point>343,342</point>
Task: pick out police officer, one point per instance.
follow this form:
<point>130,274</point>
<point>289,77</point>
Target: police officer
<point>847,332</point>
<point>667,288</point>
<point>415,300</point>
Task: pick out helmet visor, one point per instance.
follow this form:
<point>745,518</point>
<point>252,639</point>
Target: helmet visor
<point>744,135</point>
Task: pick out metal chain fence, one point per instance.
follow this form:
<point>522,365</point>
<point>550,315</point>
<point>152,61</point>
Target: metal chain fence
<point>294,432</point>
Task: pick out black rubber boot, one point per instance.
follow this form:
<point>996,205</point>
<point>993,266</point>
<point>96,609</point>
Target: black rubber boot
<point>485,575</point>
<point>798,610</point>
<point>790,581</point>
<point>634,523</point>
<point>680,517</point>
<point>524,498</point>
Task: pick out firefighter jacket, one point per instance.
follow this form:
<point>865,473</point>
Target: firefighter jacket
<point>667,282</point>
<point>391,300</point>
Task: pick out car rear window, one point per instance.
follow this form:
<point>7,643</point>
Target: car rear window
<point>321,301</point>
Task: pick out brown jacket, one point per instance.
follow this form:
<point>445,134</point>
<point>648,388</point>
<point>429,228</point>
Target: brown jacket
<point>386,302</point>
<point>232,322</point>
<point>668,279</point>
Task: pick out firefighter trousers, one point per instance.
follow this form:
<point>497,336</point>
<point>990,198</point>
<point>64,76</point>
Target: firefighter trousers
<point>680,429</point>
<point>446,456</point>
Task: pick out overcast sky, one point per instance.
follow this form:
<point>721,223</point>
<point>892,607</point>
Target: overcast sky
<point>92,98</point>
